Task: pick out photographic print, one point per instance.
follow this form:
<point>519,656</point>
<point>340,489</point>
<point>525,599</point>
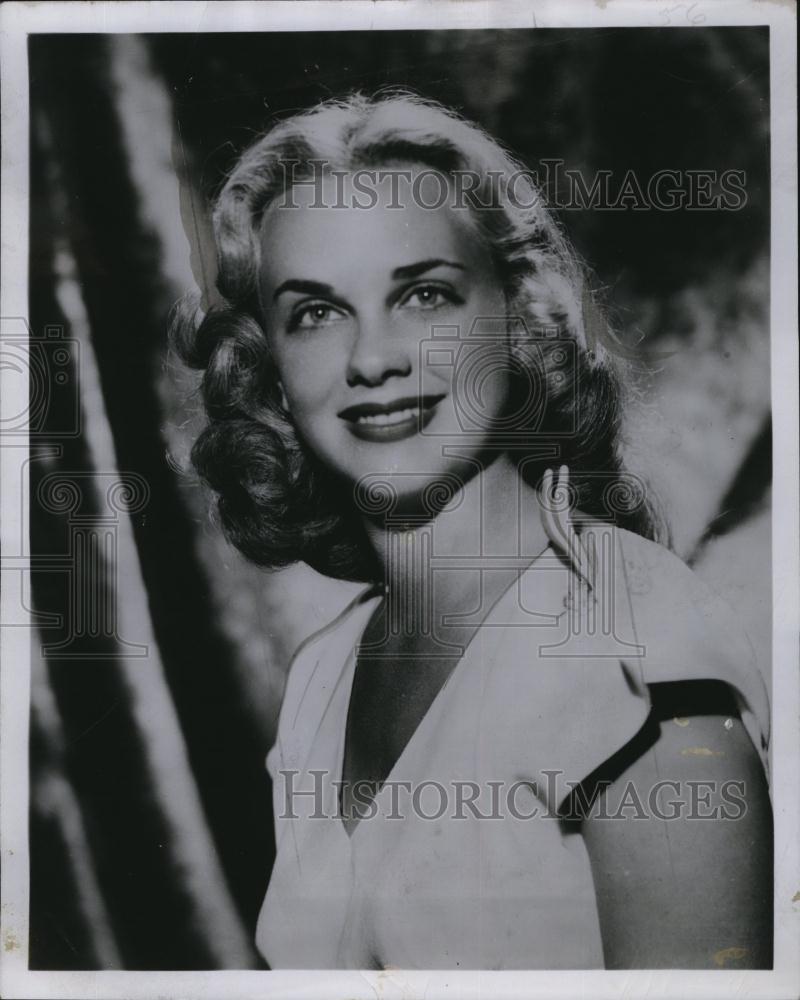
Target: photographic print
<point>399,500</point>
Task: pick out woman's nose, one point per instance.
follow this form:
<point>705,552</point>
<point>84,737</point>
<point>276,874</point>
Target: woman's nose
<point>376,356</point>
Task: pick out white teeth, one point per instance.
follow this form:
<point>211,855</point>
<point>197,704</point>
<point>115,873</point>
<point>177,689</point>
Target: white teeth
<point>389,418</point>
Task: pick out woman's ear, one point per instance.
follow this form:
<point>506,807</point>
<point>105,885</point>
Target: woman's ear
<point>284,400</point>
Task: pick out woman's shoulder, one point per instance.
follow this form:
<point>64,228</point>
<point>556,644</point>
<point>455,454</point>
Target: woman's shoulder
<point>661,584</point>
<point>314,671</point>
<point>689,632</point>
<point>686,627</point>
<point>320,658</point>
<point>640,594</point>
<point>342,628</point>
<point>586,684</point>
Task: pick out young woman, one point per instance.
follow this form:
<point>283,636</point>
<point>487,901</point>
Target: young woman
<point>534,739</point>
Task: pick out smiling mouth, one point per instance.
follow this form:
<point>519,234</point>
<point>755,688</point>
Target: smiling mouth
<point>390,421</point>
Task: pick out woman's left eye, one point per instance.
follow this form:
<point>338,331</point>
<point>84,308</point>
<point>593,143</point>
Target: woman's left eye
<point>428,297</point>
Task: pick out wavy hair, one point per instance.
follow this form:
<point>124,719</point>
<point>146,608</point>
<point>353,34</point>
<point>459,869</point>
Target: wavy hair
<point>277,504</point>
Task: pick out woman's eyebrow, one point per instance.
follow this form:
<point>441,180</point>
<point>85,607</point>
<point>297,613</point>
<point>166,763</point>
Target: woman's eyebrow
<point>414,270</point>
<point>304,287</point>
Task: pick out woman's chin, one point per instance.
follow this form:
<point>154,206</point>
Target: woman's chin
<point>409,469</point>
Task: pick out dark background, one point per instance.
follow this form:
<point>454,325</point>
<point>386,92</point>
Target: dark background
<point>146,858</point>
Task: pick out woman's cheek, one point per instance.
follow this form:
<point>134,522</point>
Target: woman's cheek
<point>309,377</point>
<point>304,404</point>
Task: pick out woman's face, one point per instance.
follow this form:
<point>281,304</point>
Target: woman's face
<point>351,297</point>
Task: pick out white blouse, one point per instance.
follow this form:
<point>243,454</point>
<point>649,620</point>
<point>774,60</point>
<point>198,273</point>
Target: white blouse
<point>465,864</point>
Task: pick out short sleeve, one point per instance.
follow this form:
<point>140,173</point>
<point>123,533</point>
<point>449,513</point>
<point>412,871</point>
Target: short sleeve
<point>569,694</point>
<point>690,633</point>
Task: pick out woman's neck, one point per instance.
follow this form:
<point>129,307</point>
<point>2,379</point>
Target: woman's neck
<point>493,520</point>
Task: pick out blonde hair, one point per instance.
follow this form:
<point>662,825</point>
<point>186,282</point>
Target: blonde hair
<point>276,503</point>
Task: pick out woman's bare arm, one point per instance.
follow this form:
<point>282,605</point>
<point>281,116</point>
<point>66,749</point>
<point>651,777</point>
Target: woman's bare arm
<point>693,891</point>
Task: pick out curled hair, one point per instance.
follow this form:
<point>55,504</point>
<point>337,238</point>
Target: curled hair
<point>277,503</point>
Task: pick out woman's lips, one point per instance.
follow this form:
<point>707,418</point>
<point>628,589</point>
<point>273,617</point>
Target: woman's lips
<point>385,422</point>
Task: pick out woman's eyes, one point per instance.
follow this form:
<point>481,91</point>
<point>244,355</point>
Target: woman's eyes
<point>314,314</point>
<point>430,296</point>
<point>311,315</point>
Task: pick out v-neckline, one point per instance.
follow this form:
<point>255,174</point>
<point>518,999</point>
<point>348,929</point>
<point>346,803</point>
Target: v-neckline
<point>349,679</point>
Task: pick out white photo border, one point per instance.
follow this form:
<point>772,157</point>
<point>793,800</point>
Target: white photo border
<point>17,21</point>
